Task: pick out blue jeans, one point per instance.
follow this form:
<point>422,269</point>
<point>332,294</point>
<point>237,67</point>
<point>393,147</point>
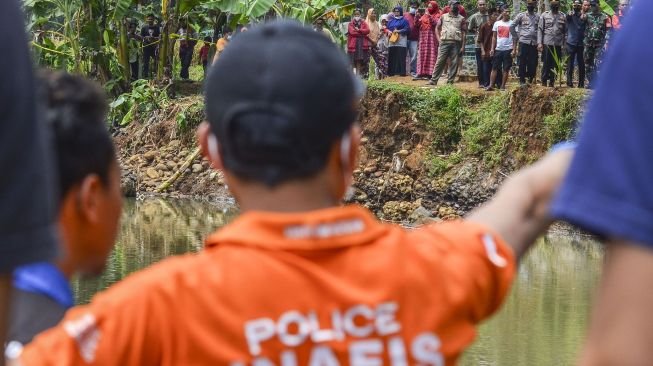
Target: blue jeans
<point>412,56</point>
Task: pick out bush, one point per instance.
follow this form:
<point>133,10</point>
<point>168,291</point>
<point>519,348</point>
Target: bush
<point>442,109</point>
<point>487,133</point>
<point>561,124</point>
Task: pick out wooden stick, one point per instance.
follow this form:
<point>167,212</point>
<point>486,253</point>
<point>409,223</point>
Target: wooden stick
<point>165,185</point>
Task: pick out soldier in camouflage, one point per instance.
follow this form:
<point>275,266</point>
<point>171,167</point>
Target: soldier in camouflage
<point>595,32</point>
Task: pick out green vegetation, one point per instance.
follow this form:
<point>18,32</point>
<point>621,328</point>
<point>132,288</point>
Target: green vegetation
<point>487,135</point>
<point>468,126</point>
<point>559,126</point>
<point>142,100</point>
<point>443,110</point>
<point>89,37</point>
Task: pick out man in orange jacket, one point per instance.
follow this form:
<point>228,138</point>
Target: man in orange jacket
<point>298,279</point>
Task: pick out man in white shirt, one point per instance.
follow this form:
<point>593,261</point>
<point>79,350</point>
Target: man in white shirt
<point>503,48</point>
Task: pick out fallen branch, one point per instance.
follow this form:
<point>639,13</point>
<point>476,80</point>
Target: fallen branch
<point>165,185</point>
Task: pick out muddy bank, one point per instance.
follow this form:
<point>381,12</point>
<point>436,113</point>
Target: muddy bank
<point>426,153</point>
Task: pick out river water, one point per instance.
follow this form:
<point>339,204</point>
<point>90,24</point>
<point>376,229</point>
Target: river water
<point>543,321</point>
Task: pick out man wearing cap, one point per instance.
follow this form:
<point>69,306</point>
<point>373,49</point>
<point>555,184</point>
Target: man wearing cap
<point>524,27</point>
<point>451,31</point>
<point>299,279</point>
<point>595,32</point>
<point>551,33</point>
<point>475,23</point>
<point>576,21</point>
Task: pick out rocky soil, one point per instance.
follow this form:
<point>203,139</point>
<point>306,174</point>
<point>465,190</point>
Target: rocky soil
<point>393,178</point>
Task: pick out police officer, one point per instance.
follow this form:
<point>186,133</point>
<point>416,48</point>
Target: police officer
<point>595,31</point>
<point>524,27</point>
<point>551,33</point>
<point>575,44</point>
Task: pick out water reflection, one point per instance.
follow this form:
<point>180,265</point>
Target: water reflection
<point>542,323</point>
<point>544,320</point>
<point>150,231</point>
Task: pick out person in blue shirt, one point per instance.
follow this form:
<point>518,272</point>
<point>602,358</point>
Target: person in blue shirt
<point>609,191</point>
<point>90,203</point>
<point>576,21</point>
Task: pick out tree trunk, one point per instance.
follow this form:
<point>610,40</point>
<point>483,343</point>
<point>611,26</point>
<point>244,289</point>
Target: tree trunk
<point>124,51</point>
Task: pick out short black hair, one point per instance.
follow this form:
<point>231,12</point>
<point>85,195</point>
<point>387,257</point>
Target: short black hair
<point>207,39</point>
<point>75,113</point>
<point>150,15</point>
<point>280,123</point>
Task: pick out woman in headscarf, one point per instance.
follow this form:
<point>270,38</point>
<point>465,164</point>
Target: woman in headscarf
<point>374,36</point>
<point>358,44</point>
<point>399,28</point>
<point>428,42</point>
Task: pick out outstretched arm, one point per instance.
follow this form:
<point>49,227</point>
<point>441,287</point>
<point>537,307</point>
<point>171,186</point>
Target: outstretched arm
<point>519,211</point>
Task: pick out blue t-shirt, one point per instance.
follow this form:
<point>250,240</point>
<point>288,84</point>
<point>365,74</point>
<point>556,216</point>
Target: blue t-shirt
<point>609,188</point>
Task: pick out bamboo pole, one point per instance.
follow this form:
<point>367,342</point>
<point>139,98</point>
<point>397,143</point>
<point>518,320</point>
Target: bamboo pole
<point>165,185</point>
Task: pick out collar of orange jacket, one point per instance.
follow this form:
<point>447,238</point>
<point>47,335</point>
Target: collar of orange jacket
<point>314,230</point>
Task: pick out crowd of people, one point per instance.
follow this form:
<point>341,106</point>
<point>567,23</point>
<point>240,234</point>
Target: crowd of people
<point>297,278</point>
<point>144,48</point>
<point>427,41</point>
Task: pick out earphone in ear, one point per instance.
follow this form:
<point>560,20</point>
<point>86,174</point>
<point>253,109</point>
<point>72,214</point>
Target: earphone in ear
<point>213,147</point>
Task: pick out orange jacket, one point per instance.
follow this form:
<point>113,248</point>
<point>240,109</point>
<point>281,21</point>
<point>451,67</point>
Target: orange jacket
<point>330,287</point>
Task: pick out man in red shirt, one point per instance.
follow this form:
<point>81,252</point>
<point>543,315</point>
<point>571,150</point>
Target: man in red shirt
<point>298,279</point>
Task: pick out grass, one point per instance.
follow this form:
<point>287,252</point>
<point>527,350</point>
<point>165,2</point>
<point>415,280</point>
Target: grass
<point>472,127</point>
<point>487,134</point>
<point>443,110</point>
<point>561,124</point>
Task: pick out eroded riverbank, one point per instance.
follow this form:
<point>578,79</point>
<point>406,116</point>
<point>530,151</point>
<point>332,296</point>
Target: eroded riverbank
<point>426,153</point>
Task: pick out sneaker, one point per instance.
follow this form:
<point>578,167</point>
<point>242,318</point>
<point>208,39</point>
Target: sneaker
<point>482,86</point>
<point>433,82</point>
<point>489,89</point>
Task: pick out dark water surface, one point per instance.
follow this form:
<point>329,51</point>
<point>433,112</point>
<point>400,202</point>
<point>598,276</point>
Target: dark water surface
<point>542,323</point>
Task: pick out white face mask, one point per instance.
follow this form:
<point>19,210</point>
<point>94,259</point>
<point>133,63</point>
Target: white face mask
<point>357,19</point>
<point>413,10</point>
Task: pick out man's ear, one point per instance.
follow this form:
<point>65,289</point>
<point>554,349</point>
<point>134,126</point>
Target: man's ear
<point>209,145</point>
<point>88,199</point>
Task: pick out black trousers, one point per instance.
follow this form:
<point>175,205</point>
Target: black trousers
<point>527,62</point>
<point>480,68</point>
<point>549,64</point>
<point>397,61</point>
<point>149,54</point>
<point>576,56</point>
<point>134,70</point>
<point>186,57</point>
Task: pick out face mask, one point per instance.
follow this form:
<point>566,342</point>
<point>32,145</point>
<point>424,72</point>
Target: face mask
<point>228,38</point>
<point>397,16</point>
<point>530,8</point>
<point>413,11</point>
<point>358,19</point>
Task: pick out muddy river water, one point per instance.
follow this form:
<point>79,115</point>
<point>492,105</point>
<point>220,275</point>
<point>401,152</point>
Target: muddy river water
<point>543,322</point>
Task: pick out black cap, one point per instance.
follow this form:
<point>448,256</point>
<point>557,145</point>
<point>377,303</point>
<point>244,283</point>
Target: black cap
<point>277,99</point>
<point>594,2</point>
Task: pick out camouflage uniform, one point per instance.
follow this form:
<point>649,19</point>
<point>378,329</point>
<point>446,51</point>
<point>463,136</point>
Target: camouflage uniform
<point>595,32</point>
